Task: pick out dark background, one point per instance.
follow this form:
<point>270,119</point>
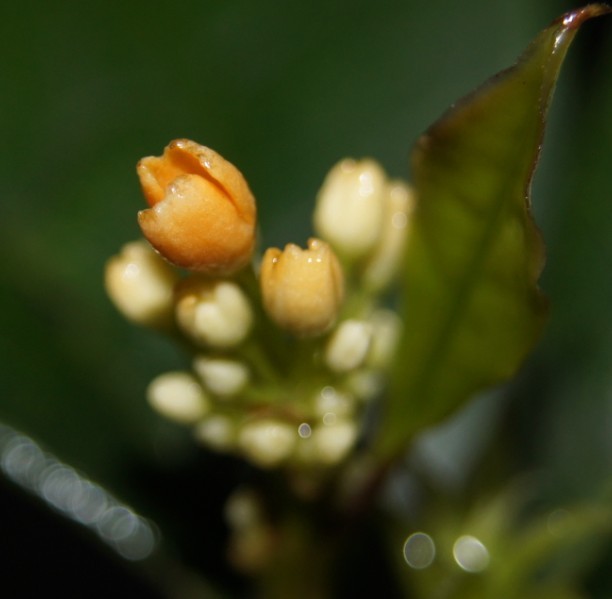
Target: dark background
<point>283,90</point>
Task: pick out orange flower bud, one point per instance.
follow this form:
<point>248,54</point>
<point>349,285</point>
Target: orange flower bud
<point>302,289</point>
<point>202,214</point>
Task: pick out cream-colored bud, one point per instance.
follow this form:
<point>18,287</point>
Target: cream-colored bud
<point>216,431</point>
<point>331,401</point>
<point>348,346</point>
<point>202,214</point>
<point>386,331</point>
<point>178,396</point>
<point>267,442</point>
<point>302,289</point>
<point>350,207</point>
<point>215,313</point>
<point>333,442</point>
<point>383,263</point>
<point>141,284</point>
<point>221,376</point>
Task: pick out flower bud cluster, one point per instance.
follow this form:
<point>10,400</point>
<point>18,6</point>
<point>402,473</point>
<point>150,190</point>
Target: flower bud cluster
<point>285,356</point>
<point>365,217</point>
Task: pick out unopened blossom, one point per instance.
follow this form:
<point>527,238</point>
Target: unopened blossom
<point>267,442</point>
<point>302,290</point>
<point>331,401</point>
<point>350,207</point>
<point>386,331</point>
<point>213,312</point>
<point>222,376</point>
<point>385,258</point>
<point>202,215</point>
<point>348,346</point>
<point>333,442</point>
<point>178,396</point>
<point>141,284</point>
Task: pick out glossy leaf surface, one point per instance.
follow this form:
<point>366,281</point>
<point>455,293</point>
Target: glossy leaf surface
<point>472,306</point>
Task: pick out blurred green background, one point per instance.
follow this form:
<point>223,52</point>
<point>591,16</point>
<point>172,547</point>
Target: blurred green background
<point>283,90</point>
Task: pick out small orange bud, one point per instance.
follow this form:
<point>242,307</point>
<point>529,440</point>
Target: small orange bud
<point>202,214</point>
<point>302,289</point>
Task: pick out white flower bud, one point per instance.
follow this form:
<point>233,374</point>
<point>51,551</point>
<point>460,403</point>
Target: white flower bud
<point>348,346</point>
<point>350,207</point>
<point>221,376</point>
<point>215,313</point>
<point>333,442</point>
<point>383,263</point>
<point>331,401</point>
<point>302,289</point>
<point>267,442</point>
<point>178,396</point>
<point>140,284</point>
<point>216,431</point>
<point>386,331</point>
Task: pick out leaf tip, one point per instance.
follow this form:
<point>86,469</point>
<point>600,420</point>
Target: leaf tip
<point>575,18</point>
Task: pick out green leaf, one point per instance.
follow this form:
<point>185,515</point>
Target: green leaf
<point>472,306</point>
